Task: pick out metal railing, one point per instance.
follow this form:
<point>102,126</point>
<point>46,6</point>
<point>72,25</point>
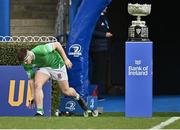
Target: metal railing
<point>46,39</point>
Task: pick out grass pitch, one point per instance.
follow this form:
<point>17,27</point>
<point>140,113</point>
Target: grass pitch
<point>104,121</point>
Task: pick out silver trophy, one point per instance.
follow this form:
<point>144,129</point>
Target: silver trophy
<point>138,31</point>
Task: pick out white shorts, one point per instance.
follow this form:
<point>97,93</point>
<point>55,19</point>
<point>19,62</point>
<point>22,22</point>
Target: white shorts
<point>56,74</point>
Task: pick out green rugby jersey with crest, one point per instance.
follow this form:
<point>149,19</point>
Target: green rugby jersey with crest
<point>45,56</point>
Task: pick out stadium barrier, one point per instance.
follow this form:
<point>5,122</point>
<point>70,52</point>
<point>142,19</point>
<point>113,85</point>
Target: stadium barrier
<point>15,93</point>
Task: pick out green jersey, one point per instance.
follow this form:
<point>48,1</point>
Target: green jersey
<point>44,56</point>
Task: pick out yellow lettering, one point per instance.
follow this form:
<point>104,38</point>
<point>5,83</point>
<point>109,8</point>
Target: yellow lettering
<point>20,95</point>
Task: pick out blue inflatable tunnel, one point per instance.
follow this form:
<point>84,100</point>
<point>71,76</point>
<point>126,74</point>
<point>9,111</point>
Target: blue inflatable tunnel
<point>77,48</point>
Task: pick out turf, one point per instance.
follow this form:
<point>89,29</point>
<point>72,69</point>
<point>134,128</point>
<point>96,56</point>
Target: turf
<point>104,121</point>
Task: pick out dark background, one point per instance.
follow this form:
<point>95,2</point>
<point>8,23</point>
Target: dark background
<point>164,31</point>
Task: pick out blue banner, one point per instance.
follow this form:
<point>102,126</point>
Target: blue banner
<point>78,42</point>
<point>15,93</point>
<point>139,62</point>
<point>4,18</point>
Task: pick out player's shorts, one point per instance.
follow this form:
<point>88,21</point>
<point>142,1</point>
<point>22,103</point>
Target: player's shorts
<point>59,74</point>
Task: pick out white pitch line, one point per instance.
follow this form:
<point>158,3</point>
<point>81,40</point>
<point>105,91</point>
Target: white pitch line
<point>165,123</point>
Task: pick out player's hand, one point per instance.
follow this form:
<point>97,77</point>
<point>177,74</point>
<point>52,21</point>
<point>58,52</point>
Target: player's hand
<point>31,104</point>
<point>68,63</point>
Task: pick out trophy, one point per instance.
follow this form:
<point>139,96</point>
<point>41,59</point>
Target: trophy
<point>138,31</point>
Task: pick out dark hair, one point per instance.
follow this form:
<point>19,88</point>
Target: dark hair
<point>21,53</point>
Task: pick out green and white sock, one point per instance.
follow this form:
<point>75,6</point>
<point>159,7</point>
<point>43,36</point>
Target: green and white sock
<point>40,111</point>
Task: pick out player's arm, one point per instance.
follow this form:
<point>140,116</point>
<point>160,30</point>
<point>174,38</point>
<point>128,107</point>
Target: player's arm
<point>30,74</point>
<point>61,51</point>
<point>31,100</point>
<point>48,48</point>
<point>31,84</point>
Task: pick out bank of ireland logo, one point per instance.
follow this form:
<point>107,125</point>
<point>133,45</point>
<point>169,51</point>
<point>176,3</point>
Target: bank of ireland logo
<point>75,50</point>
<point>137,62</point>
<point>70,105</point>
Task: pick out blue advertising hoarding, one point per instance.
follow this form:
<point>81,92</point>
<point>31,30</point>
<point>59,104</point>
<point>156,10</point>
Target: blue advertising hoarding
<point>138,71</point>
<point>15,93</point>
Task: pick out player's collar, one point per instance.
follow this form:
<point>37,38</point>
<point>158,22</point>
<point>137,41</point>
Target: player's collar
<point>29,53</point>
<point>33,55</point>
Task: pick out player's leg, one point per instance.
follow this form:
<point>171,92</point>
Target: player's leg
<point>61,76</point>
<point>41,78</point>
<point>69,91</point>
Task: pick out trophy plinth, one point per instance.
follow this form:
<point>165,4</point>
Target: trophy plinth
<point>138,31</point>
